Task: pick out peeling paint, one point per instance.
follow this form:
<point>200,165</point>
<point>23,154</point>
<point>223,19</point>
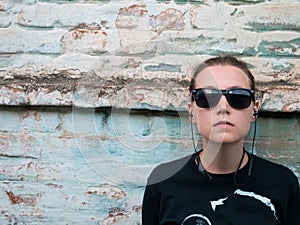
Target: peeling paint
<point>57,186</point>
<point>108,190</point>
<point>170,19</point>
<point>132,17</point>
<point>115,216</point>
<point>29,200</point>
<point>278,48</point>
<point>86,38</point>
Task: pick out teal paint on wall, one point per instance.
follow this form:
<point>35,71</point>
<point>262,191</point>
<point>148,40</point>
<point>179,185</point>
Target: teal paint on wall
<point>263,27</point>
<point>180,2</point>
<point>164,67</point>
<point>278,48</point>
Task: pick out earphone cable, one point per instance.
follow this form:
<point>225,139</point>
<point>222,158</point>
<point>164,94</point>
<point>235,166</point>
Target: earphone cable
<point>250,163</point>
<point>192,131</point>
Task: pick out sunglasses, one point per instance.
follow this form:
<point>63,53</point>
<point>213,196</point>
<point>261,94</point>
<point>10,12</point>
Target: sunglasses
<point>239,98</point>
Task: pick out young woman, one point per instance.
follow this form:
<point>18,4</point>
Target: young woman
<point>222,183</point>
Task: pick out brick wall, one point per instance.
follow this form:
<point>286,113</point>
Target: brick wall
<point>93,94</point>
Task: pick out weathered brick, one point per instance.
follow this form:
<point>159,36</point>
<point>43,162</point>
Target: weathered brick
<point>108,190</point>
<point>34,15</point>
<point>85,38</point>
<point>16,39</point>
<point>226,17</point>
<point>274,99</point>
<point>90,12</point>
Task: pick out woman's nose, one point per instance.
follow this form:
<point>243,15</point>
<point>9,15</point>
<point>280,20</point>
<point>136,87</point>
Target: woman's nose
<point>223,105</point>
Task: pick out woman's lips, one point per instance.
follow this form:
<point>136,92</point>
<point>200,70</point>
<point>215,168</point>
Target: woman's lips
<point>223,123</point>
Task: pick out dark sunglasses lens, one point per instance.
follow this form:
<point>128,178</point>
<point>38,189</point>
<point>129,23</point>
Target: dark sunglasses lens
<point>207,98</point>
<point>239,98</point>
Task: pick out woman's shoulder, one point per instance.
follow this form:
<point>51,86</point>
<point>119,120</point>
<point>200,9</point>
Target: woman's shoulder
<point>268,168</point>
<point>167,170</point>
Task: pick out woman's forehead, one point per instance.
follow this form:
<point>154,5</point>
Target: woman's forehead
<point>222,76</point>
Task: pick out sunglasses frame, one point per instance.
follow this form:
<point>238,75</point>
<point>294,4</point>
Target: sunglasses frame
<point>227,95</point>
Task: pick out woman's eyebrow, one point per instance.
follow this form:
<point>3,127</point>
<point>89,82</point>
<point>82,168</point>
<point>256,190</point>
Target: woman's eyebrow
<point>217,87</point>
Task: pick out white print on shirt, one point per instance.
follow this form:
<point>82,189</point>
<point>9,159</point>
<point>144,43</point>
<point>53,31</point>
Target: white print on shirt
<point>264,200</point>
<point>196,219</point>
<point>214,204</point>
<point>243,207</point>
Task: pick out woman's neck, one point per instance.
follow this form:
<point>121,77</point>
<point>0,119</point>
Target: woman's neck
<point>220,158</point>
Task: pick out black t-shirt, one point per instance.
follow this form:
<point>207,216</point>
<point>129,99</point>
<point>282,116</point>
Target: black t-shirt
<point>178,194</point>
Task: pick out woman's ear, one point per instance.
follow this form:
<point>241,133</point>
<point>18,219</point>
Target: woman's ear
<point>190,109</point>
<point>255,111</point>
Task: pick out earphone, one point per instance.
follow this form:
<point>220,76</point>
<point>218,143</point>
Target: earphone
<point>255,114</point>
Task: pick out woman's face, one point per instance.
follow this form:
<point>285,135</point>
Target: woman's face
<point>223,123</point>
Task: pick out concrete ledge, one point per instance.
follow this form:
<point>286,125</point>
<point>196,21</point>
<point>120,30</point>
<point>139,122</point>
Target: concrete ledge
<point>127,93</point>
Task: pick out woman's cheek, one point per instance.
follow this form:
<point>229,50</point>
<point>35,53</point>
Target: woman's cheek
<point>204,125</point>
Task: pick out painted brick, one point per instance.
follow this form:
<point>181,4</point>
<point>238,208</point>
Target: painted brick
<point>16,39</point>
<point>85,38</point>
<point>34,15</point>
<point>277,16</point>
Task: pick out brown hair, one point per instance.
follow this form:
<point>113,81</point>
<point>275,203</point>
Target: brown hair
<point>222,60</point>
